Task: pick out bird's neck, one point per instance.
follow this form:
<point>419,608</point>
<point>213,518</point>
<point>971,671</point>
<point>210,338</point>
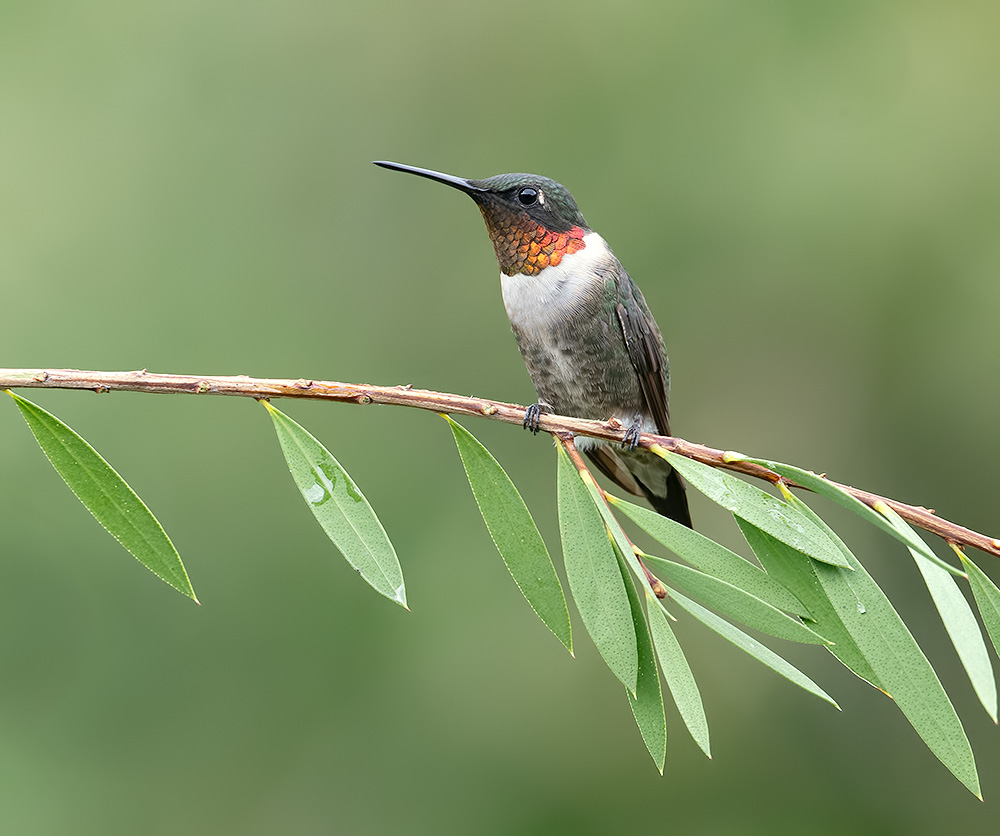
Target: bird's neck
<point>526,247</point>
<point>552,293</point>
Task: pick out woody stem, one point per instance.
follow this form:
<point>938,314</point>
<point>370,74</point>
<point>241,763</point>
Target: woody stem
<point>249,387</point>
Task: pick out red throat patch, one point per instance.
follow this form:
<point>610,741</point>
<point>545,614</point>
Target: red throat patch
<point>523,246</point>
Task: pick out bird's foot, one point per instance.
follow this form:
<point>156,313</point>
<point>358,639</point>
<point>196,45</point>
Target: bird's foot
<point>533,413</point>
<point>631,438</point>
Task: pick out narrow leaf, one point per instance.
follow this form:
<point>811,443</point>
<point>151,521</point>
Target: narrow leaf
<point>594,577</point>
<point>733,602</point>
<point>711,557</point>
<point>750,503</point>
<point>751,646</point>
<point>897,660</point>
<point>614,527</point>
<point>647,704</point>
<point>799,574</point>
<point>515,534</point>
<point>963,629</point>
<point>824,487</point>
<point>958,620</point>
<point>106,495</point>
<point>987,599</point>
<point>677,672</point>
<point>340,508</point>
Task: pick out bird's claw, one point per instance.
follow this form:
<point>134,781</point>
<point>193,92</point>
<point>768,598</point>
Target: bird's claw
<point>531,417</point>
<point>631,438</point>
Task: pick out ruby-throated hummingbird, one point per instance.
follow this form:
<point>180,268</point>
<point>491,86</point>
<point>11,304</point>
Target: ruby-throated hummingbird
<point>592,348</point>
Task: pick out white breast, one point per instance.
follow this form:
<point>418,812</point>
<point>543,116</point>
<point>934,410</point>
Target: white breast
<point>533,301</point>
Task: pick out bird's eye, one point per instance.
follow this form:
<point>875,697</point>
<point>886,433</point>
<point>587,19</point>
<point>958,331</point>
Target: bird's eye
<point>528,196</point>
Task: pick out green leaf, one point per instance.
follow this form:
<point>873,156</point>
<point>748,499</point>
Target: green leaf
<point>340,508</point>
<point>106,495</point>
<point>732,602</point>
<point>677,672</point>
<point>515,534</point>
<point>987,599</point>
<point>614,528</point>
<point>799,574</point>
<point>957,617</point>
<point>963,629</point>
<point>824,487</point>
<point>647,704</point>
<point>900,665</point>
<point>758,507</point>
<point>594,577</point>
<point>711,557</point>
<point>751,646</point>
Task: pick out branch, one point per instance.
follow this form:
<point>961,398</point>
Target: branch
<point>259,388</point>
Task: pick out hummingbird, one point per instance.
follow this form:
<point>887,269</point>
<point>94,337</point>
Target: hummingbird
<point>588,339</point>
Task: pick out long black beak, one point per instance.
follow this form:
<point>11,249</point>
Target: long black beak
<point>459,183</point>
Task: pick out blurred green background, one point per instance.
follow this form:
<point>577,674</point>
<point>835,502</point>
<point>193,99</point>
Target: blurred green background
<point>808,195</point>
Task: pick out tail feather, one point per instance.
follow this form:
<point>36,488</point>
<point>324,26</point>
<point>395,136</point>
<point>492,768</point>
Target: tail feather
<point>675,504</point>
